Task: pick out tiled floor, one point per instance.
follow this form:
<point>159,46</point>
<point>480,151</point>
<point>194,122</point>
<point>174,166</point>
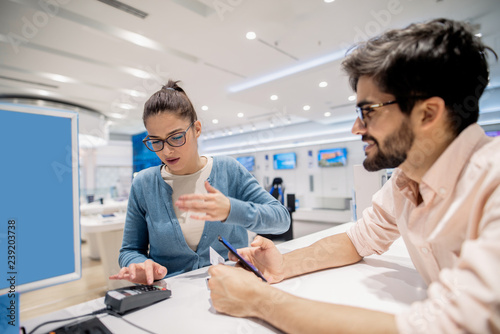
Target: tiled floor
<point>93,282</point>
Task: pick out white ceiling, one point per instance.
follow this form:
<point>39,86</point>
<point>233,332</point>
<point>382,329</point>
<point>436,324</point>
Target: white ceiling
<point>90,54</point>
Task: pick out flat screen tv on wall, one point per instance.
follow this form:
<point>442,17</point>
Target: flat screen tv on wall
<point>332,157</point>
<point>248,162</point>
<point>285,160</point>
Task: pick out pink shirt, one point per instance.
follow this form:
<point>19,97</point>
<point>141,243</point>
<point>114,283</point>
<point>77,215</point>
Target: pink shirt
<point>453,236</point>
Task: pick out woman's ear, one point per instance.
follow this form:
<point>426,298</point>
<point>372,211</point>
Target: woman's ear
<point>197,128</point>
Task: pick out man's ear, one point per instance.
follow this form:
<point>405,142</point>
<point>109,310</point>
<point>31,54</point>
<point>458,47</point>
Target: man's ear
<point>430,111</point>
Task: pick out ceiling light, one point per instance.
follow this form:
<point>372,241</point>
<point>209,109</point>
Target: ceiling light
<point>352,98</point>
<point>323,84</point>
<point>240,115</point>
<point>43,92</point>
<point>215,121</point>
<point>303,66</point>
<point>251,35</point>
<point>306,107</point>
<point>274,97</point>
<point>125,106</point>
<point>327,114</point>
<point>478,35</point>
<point>253,127</point>
<point>271,125</point>
<point>230,132</point>
<point>329,1</point>
<point>204,108</point>
<point>241,129</point>
<point>117,115</point>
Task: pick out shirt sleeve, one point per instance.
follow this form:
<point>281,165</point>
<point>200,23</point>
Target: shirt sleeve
<point>253,208</point>
<point>375,232</point>
<point>466,298</point>
<point>135,233</point>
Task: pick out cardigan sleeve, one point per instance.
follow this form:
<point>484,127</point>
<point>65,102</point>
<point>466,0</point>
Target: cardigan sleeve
<point>135,234</point>
<point>252,207</point>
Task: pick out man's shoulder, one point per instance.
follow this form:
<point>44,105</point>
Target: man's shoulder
<point>488,154</point>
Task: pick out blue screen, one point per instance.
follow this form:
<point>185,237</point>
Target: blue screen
<point>248,162</point>
<point>142,157</point>
<point>285,160</point>
<point>39,197</point>
<point>332,157</point>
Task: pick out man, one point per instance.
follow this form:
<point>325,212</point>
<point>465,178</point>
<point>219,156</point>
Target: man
<point>417,101</point>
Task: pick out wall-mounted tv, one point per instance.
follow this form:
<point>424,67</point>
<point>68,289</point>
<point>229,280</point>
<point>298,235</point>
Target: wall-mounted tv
<point>142,157</point>
<point>332,157</point>
<point>248,162</point>
<point>285,160</point>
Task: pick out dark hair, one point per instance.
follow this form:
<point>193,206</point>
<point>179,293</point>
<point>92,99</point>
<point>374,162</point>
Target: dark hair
<point>172,99</point>
<point>436,58</point>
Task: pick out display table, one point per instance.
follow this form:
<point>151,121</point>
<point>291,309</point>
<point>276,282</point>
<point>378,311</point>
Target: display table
<point>387,283</point>
<point>105,235</point>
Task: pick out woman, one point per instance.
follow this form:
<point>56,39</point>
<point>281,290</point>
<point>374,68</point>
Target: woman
<point>177,210</point>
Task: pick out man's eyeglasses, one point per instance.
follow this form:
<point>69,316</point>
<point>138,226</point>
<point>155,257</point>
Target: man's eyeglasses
<point>175,140</point>
<point>364,112</point>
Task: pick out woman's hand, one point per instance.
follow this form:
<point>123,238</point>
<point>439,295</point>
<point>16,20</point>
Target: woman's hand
<point>212,206</point>
<point>143,273</point>
<point>264,255</point>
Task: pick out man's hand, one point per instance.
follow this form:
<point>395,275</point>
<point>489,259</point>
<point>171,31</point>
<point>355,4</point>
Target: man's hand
<point>143,273</point>
<point>235,291</point>
<point>212,206</point>
<point>264,255</point>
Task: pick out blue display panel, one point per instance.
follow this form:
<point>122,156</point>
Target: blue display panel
<point>285,160</point>
<point>248,162</point>
<point>493,133</point>
<point>142,157</point>
<point>39,197</point>
<point>333,157</point>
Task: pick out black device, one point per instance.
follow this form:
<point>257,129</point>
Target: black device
<point>136,296</point>
<point>244,263</point>
<point>92,325</point>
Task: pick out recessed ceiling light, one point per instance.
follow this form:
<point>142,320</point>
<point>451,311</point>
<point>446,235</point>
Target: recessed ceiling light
<point>478,35</point>
<point>251,35</point>
<point>240,115</point>
<point>204,108</point>
<point>306,107</point>
<point>323,84</point>
<point>215,121</point>
<point>352,98</point>
<point>125,106</point>
<point>327,114</point>
<point>328,1</point>
<point>274,97</point>
<point>116,115</point>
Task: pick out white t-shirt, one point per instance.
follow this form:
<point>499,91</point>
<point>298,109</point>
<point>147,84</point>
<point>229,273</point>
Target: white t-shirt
<point>192,229</point>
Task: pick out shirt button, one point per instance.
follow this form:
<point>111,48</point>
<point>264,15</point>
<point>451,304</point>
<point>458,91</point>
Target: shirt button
<point>442,191</point>
<point>424,250</point>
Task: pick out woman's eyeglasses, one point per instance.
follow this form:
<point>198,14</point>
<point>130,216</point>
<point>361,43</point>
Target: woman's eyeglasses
<point>175,140</point>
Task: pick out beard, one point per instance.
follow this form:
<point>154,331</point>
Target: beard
<point>396,147</point>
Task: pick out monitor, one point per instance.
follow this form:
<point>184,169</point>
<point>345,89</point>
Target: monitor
<point>332,157</point>
<point>142,157</point>
<point>39,197</point>
<point>285,160</point>
<point>248,162</point>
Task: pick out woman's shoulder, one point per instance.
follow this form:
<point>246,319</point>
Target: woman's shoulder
<point>146,175</point>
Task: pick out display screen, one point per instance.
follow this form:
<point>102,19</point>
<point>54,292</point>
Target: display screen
<point>142,157</point>
<point>332,157</point>
<point>248,162</point>
<point>285,160</point>
<point>493,133</point>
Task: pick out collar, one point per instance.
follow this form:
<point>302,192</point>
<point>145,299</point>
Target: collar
<point>442,177</point>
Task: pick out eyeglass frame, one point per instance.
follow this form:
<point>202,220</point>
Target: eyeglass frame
<point>163,141</point>
<point>369,109</point>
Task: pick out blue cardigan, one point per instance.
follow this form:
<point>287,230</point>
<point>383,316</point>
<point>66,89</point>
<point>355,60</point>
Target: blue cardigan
<point>152,230</point>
